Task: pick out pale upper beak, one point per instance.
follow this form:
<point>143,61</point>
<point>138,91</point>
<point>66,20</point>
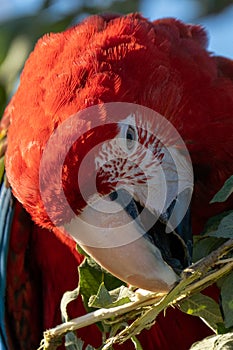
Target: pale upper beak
<point>110,231</point>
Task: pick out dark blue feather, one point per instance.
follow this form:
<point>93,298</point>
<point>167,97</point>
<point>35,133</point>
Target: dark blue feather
<point>6,215</point>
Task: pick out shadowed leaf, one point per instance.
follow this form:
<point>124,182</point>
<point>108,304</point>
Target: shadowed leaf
<point>225,228</point>
<point>223,194</point>
<point>227,300</point>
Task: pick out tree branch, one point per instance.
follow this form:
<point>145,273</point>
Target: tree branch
<point>194,279</point>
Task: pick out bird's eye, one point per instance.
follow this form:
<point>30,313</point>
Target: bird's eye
<point>130,137</point>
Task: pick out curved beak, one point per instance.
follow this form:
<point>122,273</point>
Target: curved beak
<point>111,230</point>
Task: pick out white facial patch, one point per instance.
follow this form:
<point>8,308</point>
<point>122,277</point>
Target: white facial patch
<point>149,160</point>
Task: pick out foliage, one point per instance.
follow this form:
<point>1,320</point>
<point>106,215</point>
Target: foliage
<point>213,6</point>
<point>122,305</point>
<point>122,312</point>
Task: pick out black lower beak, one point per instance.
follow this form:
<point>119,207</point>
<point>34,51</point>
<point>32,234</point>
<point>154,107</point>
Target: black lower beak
<point>175,245</point>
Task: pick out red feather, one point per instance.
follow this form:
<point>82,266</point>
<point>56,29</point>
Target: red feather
<point>163,65</point>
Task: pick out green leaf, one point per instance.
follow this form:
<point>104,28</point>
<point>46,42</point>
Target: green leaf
<point>89,347</point>
<point>121,296</point>
<point>66,299</point>
<point>105,299</point>
<point>72,342</point>
<point>101,299</point>
<point>223,194</point>
<point>217,229</point>
<point>204,246</point>
<point>225,228</point>
<point>213,223</point>
<point>82,251</point>
<point>227,300</point>
<point>91,275</point>
<point>222,329</point>
<point>204,307</point>
<point>136,343</point>
<point>217,342</point>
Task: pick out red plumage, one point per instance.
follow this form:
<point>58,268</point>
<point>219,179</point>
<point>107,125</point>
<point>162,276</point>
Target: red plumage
<point>162,65</point>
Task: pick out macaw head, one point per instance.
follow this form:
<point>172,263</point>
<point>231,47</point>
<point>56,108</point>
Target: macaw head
<point>121,189</point>
<point>90,154</point>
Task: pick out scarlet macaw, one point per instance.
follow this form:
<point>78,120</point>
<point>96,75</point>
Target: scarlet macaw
<point>162,65</point>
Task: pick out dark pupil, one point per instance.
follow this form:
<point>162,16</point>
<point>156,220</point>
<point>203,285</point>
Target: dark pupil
<point>130,134</point>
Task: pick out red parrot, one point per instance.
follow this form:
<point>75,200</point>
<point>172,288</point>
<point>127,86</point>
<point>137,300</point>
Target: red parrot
<point>163,66</point>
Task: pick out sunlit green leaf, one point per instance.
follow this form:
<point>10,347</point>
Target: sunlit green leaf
<point>204,307</point>
<point>121,293</point>
<point>105,299</point>
<point>91,276</point>
<point>81,250</point>
<point>101,299</point>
